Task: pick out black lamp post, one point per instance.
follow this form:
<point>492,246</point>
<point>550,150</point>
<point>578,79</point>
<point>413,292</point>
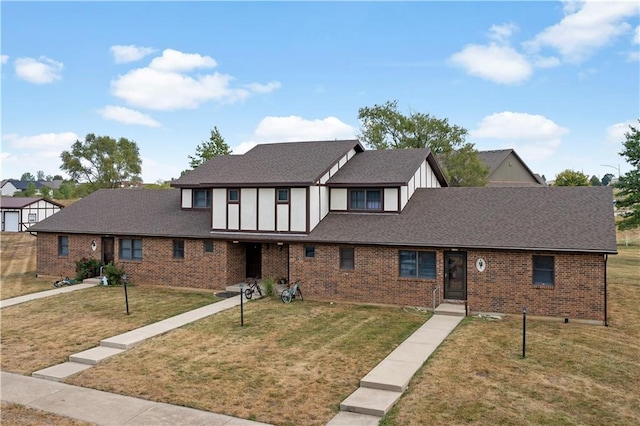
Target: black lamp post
<point>524,332</point>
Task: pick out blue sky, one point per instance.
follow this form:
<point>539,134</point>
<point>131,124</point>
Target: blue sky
<point>556,81</point>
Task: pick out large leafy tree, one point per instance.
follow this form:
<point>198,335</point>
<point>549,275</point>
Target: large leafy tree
<point>384,127</point>
<point>27,177</point>
<point>214,147</point>
<point>570,177</point>
<point>629,183</point>
<point>102,161</point>
<point>595,181</point>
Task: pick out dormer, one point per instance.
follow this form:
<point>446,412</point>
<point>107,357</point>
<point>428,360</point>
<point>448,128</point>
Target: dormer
<point>272,188</point>
<point>383,181</point>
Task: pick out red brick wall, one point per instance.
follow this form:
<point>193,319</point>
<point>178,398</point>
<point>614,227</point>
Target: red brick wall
<point>275,261</point>
<point>504,287</point>
<point>236,262</point>
<point>48,261</point>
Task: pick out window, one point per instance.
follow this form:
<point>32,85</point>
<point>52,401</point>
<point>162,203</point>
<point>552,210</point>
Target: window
<point>63,245</point>
<point>178,249</point>
<point>419,264</point>
<point>130,249</point>
<point>309,251</point>
<point>208,246</point>
<point>32,217</point>
<point>201,198</point>
<point>346,258</point>
<point>543,270</point>
<point>233,196</point>
<point>365,199</point>
<point>283,195</point>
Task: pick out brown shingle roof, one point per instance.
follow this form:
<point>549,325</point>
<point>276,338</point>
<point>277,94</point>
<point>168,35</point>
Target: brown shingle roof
<point>291,163</point>
<point>384,167</point>
<point>20,202</point>
<point>494,158</point>
<point>522,218</point>
<point>153,212</point>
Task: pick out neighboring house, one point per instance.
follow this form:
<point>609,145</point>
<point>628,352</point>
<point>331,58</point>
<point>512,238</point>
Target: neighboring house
<point>352,225</point>
<point>20,213</point>
<point>11,186</point>
<point>506,168</point>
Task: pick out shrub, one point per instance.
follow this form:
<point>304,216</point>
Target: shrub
<point>114,274</point>
<point>87,268</point>
<point>268,287</point>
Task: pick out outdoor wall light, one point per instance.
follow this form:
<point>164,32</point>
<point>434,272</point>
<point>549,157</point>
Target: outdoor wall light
<point>235,242</point>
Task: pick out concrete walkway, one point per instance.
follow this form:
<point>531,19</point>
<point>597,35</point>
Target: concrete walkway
<point>47,293</point>
<point>115,345</point>
<point>104,408</point>
<point>383,386</point>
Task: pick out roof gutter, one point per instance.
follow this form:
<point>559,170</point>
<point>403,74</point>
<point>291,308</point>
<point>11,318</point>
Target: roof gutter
<point>606,321</point>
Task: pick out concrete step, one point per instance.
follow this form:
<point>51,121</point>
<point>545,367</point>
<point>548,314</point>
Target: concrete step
<point>58,373</point>
<point>345,418</point>
<point>95,355</point>
<point>451,309</point>
<point>372,402</point>
<point>94,281</point>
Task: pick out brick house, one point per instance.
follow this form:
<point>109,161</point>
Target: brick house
<point>352,225</point>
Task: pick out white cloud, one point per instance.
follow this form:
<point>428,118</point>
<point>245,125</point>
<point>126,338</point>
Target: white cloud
<point>41,141</point>
<point>502,33</point>
<point>532,136</point>
<point>294,129</point>
<point>166,85</point>
<point>39,71</point>
<point>264,88</point>
<point>493,62</point>
<point>173,60</point>
<point>548,62</point>
<point>587,27</point>
<point>636,36</point>
<point>4,59</point>
<point>127,116</point>
<point>130,53</point>
<point>615,132</point>
<point>152,170</point>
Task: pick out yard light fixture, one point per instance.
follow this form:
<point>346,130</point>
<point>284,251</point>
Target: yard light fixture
<point>524,332</point>
<point>241,306</point>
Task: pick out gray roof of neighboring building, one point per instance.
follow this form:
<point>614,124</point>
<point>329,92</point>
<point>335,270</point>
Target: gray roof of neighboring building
<point>154,212</point>
<point>494,158</point>
<point>521,218</point>
<point>289,163</point>
<point>575,219</point>
<point>24,184</point>
<point>385,167</point>
<point>20,202</point>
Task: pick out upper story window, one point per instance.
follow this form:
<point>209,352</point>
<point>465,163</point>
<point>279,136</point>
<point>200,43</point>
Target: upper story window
<point>365,199</point>
<point>233,195</point>
<point>283,195</point>
<point>201,198</point>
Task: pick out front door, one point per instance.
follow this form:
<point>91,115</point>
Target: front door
<point>455,275</point>
<point>107,250</point>
<point>254,260</point>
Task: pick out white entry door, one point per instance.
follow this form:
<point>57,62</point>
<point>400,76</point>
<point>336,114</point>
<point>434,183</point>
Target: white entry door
<point>11,221</point>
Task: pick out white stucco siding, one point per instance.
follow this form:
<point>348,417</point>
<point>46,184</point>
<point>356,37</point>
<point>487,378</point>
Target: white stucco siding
<point>314,206</point>
<point>338,198</point>
<point>186,198</point>
<point>390,199</point>
<point>334,169</point>
<point>324,201</point>
<point>248,209</point>
<point>404,191</point>
<point>219,208</point>
<point>325,178</point>
<point>343,161</point>
<point>298,209</point>
<point>267,209</point>
<point>282,217</point>
<point>233,213</point>
<point>350,154</point>
<point>423,174</point>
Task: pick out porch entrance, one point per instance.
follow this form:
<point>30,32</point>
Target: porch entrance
<point>108,246</point>
<point>455,275</point>
<point>254,259</point>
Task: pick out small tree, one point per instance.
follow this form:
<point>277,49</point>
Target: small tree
<point>606,179</point>
<point>207,150</point>
<point>629,183</point>
<point>31,190</point>
<point>45,191</point>
<point>594,181</point>
<point>571,178</point>
<point>40,175</point>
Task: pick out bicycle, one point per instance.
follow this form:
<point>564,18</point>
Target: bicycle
<point>291,293</point>
<point>63,282</point>
<point>253,287</point>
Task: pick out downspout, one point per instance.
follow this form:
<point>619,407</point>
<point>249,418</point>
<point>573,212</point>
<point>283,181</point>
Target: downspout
<point>606,322</point>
